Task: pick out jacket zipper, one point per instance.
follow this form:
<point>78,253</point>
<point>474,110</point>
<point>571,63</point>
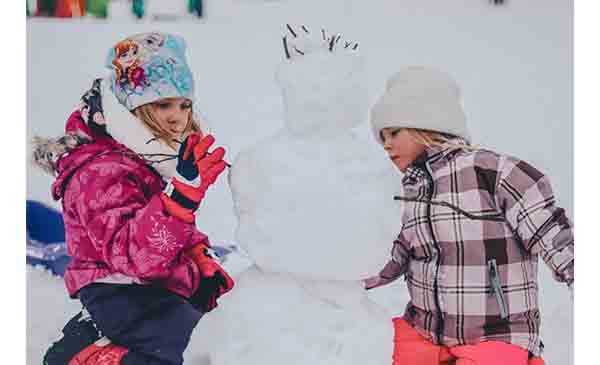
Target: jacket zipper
<point>497,287</point>
<point>440,326</point>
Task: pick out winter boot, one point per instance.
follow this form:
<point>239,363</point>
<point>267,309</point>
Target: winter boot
<point>83,344</point>
<point>102,352</point>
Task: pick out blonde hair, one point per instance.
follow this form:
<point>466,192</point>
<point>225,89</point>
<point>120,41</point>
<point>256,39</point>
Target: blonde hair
<point>436,139</point>
<point>146,114</point>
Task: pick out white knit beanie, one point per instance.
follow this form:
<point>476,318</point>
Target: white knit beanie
<point>421,98</point>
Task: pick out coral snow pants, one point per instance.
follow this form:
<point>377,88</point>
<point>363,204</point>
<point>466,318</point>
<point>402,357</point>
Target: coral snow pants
<point>410,348</point>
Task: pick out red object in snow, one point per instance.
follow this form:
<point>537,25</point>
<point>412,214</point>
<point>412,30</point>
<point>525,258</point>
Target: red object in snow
<point>69,8</point>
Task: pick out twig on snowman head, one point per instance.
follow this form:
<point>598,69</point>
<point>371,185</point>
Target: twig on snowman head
<point>285,48</point>
<point>331,43</point>
<point>291,31</point>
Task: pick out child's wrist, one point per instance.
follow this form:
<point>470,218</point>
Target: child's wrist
<point>176,210</point>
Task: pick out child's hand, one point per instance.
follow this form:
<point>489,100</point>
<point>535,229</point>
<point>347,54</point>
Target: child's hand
<point>214,281</point>
<point>186,166</point>
<point>371,282</point>
<point>196,171</point>
<point>390,272</point>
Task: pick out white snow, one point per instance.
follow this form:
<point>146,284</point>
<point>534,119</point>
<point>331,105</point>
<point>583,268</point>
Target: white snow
<point>514,64</point>
<point>272,318</point>
<point>314,200</point>
<point>48,310</point>
<point>316,214</point>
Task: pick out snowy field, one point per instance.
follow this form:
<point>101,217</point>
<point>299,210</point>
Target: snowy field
<point>514,64</point>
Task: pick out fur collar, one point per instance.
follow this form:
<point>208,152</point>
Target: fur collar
<point>101,116</point>
<point>128,130</point>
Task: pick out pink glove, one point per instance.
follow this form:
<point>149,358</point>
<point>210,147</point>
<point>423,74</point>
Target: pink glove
<point>214,280</point>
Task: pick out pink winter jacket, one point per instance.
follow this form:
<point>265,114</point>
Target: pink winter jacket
<point>115,222</point>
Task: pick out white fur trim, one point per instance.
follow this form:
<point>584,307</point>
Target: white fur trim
<point>128,130</point>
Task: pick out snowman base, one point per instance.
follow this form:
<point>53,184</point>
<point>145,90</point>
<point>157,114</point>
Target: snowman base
<point>273,318</point>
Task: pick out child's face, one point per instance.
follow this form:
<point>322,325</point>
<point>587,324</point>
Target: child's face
<point>173,114</point>
<point>400,146</point>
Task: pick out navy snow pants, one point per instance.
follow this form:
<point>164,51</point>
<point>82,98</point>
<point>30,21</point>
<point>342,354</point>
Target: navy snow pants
<point>152,322</point>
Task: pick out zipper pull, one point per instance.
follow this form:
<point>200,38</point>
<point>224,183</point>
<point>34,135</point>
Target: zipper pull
<point>497,288</point>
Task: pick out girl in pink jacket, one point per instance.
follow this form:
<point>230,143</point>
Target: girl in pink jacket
<point>131,171</point>
<point>474,227</point>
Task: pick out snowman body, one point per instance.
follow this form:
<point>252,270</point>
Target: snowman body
<point>316,214</point>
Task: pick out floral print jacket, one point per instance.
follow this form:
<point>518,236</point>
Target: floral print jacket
<point>116,227</point>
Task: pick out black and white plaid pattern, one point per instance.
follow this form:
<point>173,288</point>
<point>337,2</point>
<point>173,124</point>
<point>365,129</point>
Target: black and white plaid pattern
<point>472,279</point>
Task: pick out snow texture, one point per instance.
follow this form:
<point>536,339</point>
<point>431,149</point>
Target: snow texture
<point>313,200</point>
<point>316,213</point>
<point>272,318</point>
<point>514,65</point>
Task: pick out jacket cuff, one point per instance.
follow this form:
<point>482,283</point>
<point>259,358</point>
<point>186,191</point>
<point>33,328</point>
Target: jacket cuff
<point>176,210</point>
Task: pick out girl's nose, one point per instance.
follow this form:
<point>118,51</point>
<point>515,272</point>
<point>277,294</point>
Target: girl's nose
<point>177,124</point>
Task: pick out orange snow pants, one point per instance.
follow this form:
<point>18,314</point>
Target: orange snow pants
<point>410,348</point>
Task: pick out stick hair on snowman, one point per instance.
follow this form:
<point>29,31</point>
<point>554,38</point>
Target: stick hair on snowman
<point>322,79</point>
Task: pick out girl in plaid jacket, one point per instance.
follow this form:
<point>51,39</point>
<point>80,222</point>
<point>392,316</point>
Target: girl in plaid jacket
<point>474,224</point>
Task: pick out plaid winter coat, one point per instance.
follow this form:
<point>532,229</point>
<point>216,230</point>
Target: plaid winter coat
<point>474,225</point>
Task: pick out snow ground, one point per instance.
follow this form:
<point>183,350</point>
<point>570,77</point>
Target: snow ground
<point>514,64</point>
<point>49,308</point>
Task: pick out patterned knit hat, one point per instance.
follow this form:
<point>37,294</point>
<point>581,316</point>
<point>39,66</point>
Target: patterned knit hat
<point>147,67</point>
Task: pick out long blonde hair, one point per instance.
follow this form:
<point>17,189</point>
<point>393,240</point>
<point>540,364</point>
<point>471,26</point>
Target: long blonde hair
<point>145,113</point>
<point>437,139</point>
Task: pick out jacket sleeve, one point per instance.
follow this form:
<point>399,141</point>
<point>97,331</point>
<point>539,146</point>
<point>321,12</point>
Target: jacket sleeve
<point>395,268</point>
<point>130,229</point>
<point>525,196</point>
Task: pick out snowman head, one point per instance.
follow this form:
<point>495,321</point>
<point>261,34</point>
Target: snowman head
<point>323,83</point>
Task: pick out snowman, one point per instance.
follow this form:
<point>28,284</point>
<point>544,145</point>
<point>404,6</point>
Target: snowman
<point>316,214</point>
